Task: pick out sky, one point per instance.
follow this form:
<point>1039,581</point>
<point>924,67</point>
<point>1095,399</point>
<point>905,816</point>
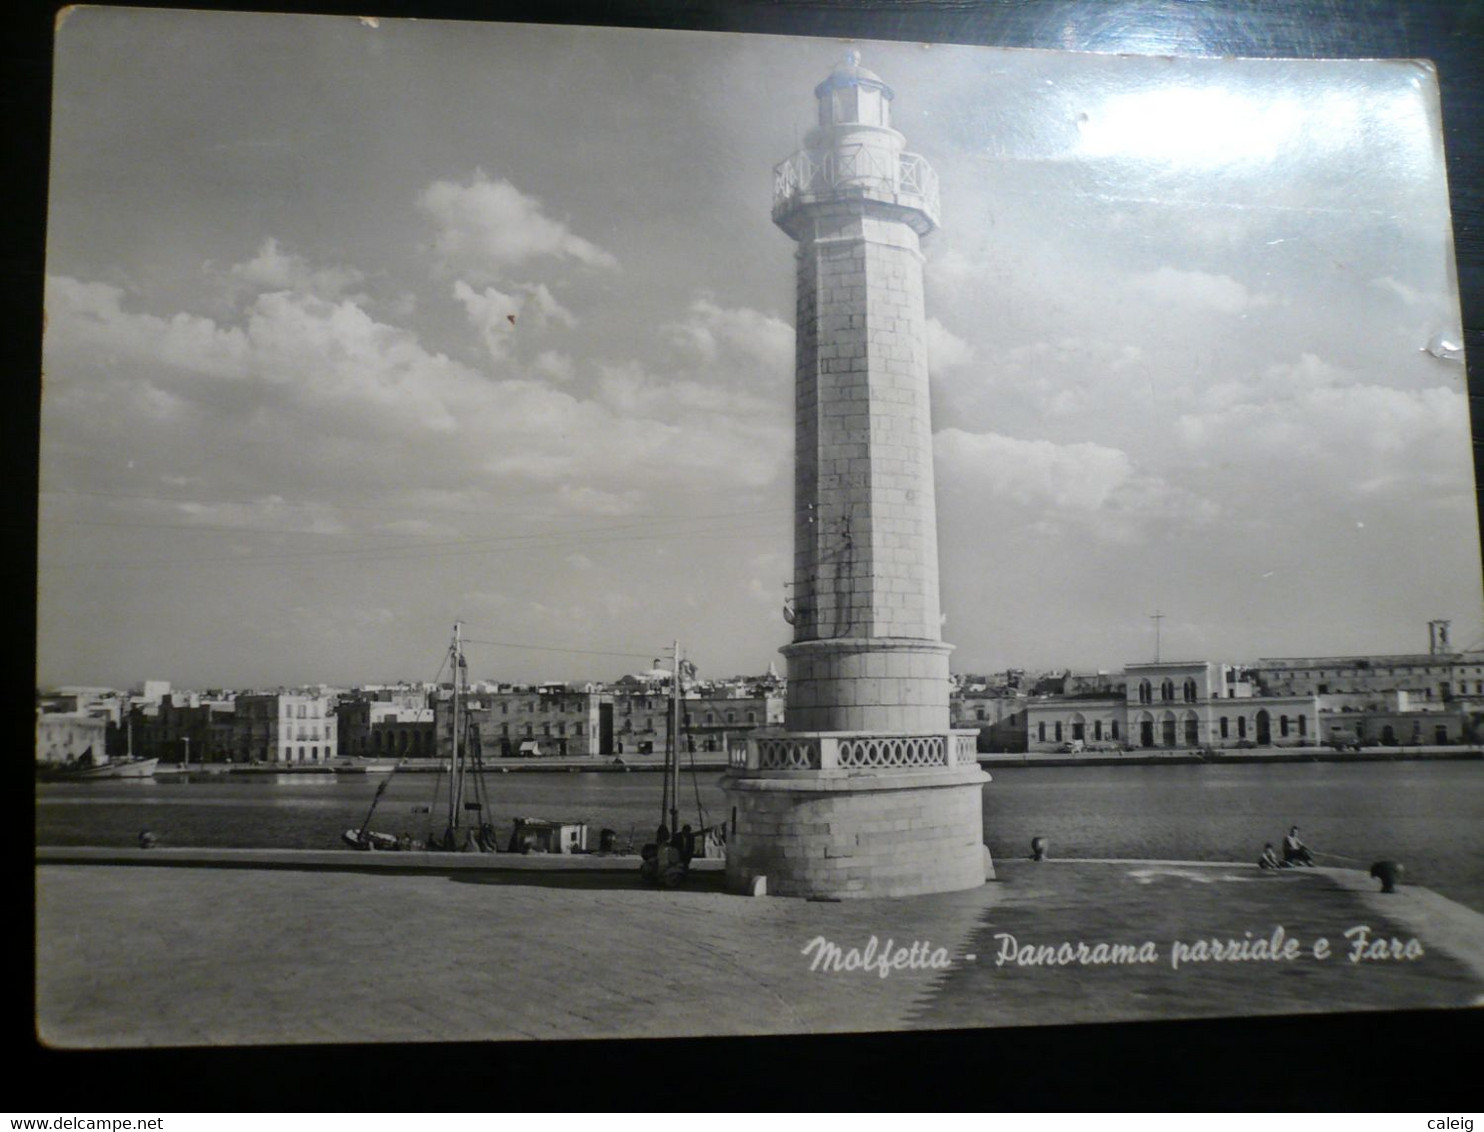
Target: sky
<point>357,328</point>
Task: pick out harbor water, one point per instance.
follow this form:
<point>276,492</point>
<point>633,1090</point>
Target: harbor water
<point>1427,815</point>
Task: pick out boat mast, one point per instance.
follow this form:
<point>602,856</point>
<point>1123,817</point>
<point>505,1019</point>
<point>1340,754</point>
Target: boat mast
<point>674,767</point>
<point>456,769</point>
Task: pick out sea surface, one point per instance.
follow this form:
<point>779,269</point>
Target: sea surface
<point>1427,815</point>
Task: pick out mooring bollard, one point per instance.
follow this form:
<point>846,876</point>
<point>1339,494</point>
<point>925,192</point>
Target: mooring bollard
<point>1038,848</point>
<point>1388,873</point>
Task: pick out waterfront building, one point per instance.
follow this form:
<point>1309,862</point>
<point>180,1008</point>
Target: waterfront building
<point>284,727</point>
<point>997,714</point>
<point>398,726</point>
<point>153,691</point>
<point>865,790</point>
<point>1427,677</point>
<point>537,721</point>
<point>632,719</point>
<point>64,737</point>
<point>221,730</point>
<point>1398,699</point>
<point>713,720</point>
<point>1173,705</point>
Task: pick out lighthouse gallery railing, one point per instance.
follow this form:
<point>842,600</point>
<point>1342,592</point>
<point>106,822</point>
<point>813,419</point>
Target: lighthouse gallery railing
<point>909,180</point>
<point>843,750</point>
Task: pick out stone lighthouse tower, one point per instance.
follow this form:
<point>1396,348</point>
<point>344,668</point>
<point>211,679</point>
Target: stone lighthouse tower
<point>866,791</point>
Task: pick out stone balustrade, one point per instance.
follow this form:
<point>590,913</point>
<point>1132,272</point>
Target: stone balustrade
<point>905,178</point>
<point>786,751</point>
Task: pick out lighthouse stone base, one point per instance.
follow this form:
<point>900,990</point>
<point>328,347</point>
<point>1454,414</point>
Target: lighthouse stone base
<point>856,814</point>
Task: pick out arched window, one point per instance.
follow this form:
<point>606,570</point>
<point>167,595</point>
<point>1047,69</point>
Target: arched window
<point>1167,691</point>
<point>1190,691</point>
<point>1058,731</point>
<point>1283,726</point>
<point>1225,727</point>
<point>1041,732</point>
<point>1097,729</point>
<point>1146,692</point>
<point>1241,727</point>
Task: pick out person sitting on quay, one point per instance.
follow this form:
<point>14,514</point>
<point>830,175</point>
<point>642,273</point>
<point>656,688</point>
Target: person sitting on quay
<point>1295,852</point>
<point>1269,858</point>
<point>685,842</point>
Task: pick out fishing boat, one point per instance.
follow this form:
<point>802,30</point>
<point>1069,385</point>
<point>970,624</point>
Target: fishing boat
<point>666,860</point>
<point>461,832</point>
<point>86,769</point>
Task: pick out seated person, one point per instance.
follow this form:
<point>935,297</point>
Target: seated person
<point>1295,852</point>
<point>1269,858</point>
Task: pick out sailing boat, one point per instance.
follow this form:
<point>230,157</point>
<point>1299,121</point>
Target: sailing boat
<point>459,834</point>
<point>667,859</point>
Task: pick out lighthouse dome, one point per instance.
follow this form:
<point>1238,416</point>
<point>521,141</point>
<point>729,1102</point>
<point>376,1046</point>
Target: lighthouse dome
<point>848,73</point>
<point>854,96</point>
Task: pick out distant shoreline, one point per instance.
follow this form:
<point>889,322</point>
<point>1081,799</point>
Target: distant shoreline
<point>1234,757</point>
<point>711,761</point>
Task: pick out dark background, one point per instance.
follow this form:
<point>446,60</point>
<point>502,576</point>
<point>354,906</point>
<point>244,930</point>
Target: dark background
<point>1419,1062</point>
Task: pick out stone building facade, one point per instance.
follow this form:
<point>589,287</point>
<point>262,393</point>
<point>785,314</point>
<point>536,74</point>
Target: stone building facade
<point>285,727</point>
<point>65,737</point>
<point>385,729</point>
<point>1384,700</point>
<point>1174,705</point>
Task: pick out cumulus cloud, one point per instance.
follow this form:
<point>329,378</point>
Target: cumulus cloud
<point>492,313</point>
<point>554,365</point>
<point>277,270</point>
<point>1093,485</point>
<point>1199,290</point>
<point>953,271</point>
<point>499,316</point>
<point>485,225</point>
<point>758,346</point>
<point>330,393</point>
<point>1312,427</point>
<point>91,316</point>
<point>945,349</point>
<point>632,390</point>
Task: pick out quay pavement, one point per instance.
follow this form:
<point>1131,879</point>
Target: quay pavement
<point>275,948</point>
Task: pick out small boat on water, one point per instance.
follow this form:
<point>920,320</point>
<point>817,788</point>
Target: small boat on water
<point>461,834</point>
<point>665,861</point>
<point>86,770</point>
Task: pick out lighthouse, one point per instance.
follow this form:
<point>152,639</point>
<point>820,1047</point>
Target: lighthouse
<point>866,790</point>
